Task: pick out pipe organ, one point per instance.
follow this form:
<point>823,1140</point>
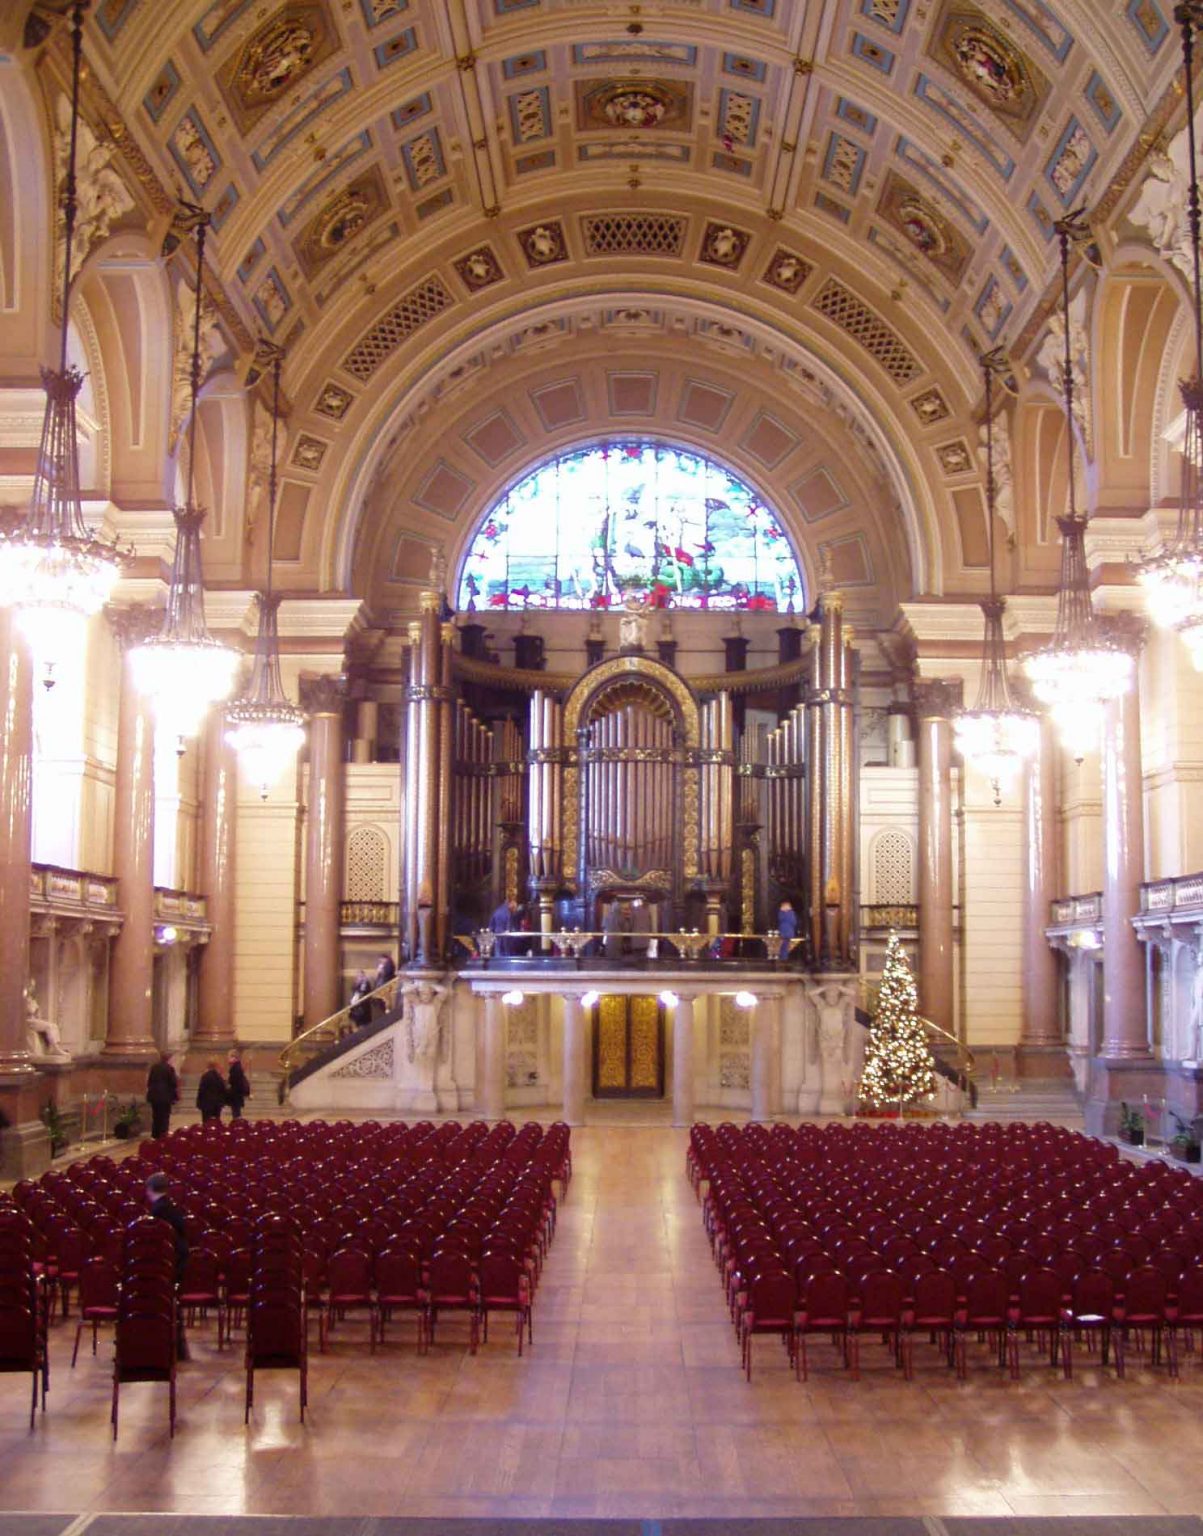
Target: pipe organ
<point>631,779</point>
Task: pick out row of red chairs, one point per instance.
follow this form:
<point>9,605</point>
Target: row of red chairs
<point>24,1308</point>
<point>799,1238</point>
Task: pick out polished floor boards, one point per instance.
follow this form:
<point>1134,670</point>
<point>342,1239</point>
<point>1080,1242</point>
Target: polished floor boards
<point>631,1405</point>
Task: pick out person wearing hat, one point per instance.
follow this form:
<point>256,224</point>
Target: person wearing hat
<point>165,1209</point>
<point>211,1092</point>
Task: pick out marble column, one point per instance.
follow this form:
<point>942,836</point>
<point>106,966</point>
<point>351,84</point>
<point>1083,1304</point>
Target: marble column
<point>760,1033</point>
<point>1125,1026</point>
<point>683,1061</point>
<point>1040,984</point>
<point>490,1091</point>
<point>219,809</point>
<point>16,831</point>
<point>575,1064</point>
<point>936,701</point>
<point>131,968</point>
<point>325,815</point>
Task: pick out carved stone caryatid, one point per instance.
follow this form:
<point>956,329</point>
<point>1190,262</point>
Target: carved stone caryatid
<point>212,346</point>
<point>325,817</point>
<point>102,198</point>
<point>424,1002</point>
<point>1161,208</point>
<point>936,699</point>
<point>1051,359</point>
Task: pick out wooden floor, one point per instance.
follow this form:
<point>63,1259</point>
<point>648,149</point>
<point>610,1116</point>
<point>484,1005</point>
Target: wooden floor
<point>631,1404</point>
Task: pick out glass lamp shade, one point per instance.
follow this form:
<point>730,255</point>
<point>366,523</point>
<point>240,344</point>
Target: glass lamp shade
<point>1172,584</point>
<point>997,742</point>
<point>266,738</point>
<point>1075,684</point>
<point>183,679</point>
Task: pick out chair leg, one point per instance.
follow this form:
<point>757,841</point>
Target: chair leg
<point>250,1393</point>
<point>75,1351</point>
<point>113,1410</point>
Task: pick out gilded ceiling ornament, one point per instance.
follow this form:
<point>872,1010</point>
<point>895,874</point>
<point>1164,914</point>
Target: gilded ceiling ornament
<point>479,268</point>
<point>787,271</point>
<point>632,104</point>
<point>988,65</point>
<point>288,46</point>
<point>924,227</point>
<point>968,43</point>
<point>723,246</point>
<point>543,244</point>
<point>334,402</point>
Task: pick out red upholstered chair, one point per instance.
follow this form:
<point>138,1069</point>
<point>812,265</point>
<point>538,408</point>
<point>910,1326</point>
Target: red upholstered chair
<point>98,1297</point>
<point>399,1286</point>
<point>1037,1310</point>
<point>145,1348</point>
<point>880,1311</point>
<point>349,1278</point>
<point>450,1286</point>
<point>983,1311</point>
<point>932,1311</point>
<point>504,1286</point>
<point>1090,1312</point>
<point>1143,1310</point>
<point>823,1307</point>
<point>277,1338</point>
<point>200,1288</point>
<point>23,1339</point>
<point>768,1305</point>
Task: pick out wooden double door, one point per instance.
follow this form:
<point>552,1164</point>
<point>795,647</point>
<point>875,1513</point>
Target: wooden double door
<point>628,1048</point>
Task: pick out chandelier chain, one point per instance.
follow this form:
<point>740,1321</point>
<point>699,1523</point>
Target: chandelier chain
<point>70,195</point>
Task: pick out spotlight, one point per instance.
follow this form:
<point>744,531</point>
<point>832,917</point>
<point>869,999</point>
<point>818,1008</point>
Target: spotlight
<point>166,934</point>
<point>513,999</point>
<point>745,999</point>
<point>589,999</point>
<point>669,999</point>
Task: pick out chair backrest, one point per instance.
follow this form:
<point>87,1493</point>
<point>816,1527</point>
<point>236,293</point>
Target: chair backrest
<point>825,1296</point>
<point>398,1271</point>
<point>1040,1292</point>
<point>349,1273</point>
<point>986,1295</point>
<point>1144,1294</point>
<point>275,1329</point>
<point>145,1341</point>
<point>1190,1292</point>
<point>97,1284</point>
<point>935,1295</point>
<point>1093,1295</point>
<point>773,1295</point>
<point>449,1274</point>
<point>881,1296</point>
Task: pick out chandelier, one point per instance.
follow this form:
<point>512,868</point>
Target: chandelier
<point>996,735</point>
<point>183,669</point>
<point>1173,578</point>
<point>1080,669</point>
<point>54,572</point>
<point>266,730</point>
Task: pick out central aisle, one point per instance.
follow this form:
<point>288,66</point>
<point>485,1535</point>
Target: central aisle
<point>632,1403</point>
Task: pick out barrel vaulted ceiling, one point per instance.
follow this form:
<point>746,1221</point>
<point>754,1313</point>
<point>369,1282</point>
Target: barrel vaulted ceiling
<point>821,210</point>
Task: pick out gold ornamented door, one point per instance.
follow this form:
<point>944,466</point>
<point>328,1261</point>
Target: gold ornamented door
<point>628,1048</point>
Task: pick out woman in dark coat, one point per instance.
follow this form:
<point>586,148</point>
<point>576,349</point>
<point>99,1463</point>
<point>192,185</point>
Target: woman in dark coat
<point>239,1090</point>
<point>211,1093</point>
<point>162,1091</point>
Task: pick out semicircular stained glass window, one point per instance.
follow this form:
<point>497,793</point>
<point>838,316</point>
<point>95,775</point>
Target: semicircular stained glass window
<point>630,519</point>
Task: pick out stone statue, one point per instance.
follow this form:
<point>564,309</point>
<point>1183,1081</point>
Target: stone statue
<point>832,1004</point>
<point>1194,1042</point>
<point>102,196</point>
<point>212,346</point>
<point>1161,207</point>
<point>1051,360</point>
<point>633,622</point>
<point>45,1038</point>
<point>423,1006</point>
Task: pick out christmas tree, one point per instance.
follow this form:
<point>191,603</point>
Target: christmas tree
<point>898,1061</point>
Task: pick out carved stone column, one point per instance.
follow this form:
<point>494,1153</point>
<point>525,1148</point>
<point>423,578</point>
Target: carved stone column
<point>683,1061</point>
<point>1125,1025</point>
<point>325,816</point>
<point>575,1063</point>
<point>936,701</point>
<point>131,970</point>
<point>490,1090</point>
<point>215,966</point>
<point>760,1034</point>
<point>1040,888</point>
<point>16,826</point>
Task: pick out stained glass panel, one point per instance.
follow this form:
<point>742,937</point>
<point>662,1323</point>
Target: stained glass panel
<point>630,519</point>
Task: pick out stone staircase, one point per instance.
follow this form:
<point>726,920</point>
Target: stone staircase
<point>1051,1099</point>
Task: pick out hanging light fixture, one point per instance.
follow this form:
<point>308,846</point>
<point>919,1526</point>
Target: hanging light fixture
<point>1173,578</point>
<point>1080,669</point>
<point>183,669</point>
<point>996,735</point>
<point>266,730</point>
<point>54,572</point>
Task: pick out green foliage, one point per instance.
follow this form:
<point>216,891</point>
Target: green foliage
<point>899,1067</point>
<point>51,1117</point>
<point>1131,1120</point>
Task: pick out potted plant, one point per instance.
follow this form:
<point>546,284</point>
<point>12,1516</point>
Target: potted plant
<point>52,1118</point>
<point>128,1121</point>
<point>1131,1126</point>
<point>1183,1144</point>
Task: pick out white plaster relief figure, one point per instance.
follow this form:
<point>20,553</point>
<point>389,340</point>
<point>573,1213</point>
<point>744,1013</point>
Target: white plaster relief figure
<point>101,195</point>
<point>1004,488</point>
<point>1161,206</point>
<point>832,1004</point>
<point>633,624</point>
<point>423,1022</point>
<point>45,1038</point>
<point>258,468</point>
<point>212,346</point>
<point>1051,360</point>
<point>1195,1042</point>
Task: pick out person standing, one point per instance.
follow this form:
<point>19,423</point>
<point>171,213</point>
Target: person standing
<point>163,1208</point>
<point>359,1011</point>
<point>504,921</point>
<point>162,1091</point>
<point>239,1086</point>
<point>787,928</point>
<point>385,971</point>
<point>211,1092</point>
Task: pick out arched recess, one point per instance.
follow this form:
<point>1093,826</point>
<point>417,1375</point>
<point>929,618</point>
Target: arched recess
<point>831,495</point>
<point>224,473</point>
<point>815,372</point>
<point>127,294</point>
<point>891,869</point>
<point>26,327</point>
<point>1040,466</point>
<point>1137,312</point>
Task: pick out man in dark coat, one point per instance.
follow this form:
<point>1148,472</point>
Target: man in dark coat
<point>360,1012</point>
<point>162,1091</point>
<point>505,920</point>
<point>239,1089</point>
<point>211,1092</point>
<point>165,1209</point>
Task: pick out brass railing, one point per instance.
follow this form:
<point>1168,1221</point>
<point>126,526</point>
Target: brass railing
<point>303,1046</point>
<point>572,943</point>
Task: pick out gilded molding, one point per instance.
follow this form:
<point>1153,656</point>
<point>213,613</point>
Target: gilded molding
<point>323,695</point>
<point>526,680</point>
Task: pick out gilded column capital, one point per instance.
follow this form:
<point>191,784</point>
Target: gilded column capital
<point>1124,629</point>
<point>938,697</point>
<point>323,695</point>
<point>134,625</point>
<point>430,602</point>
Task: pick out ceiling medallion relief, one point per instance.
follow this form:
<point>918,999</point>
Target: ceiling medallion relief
<point>479,269</point>
<point>349,212</point>
<point>290,44</point>
<point>787,271</point>
<point>999,75</point>
<point>925,228</point>
<point>543,244</point>
<point>633,104</point>
<point>723,246</point>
